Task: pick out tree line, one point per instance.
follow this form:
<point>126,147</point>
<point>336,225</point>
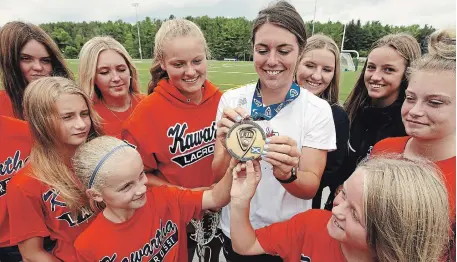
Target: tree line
<point>226,37</point>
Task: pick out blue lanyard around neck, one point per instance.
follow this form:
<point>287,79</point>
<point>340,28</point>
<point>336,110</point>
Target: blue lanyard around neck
<point>261,112</point>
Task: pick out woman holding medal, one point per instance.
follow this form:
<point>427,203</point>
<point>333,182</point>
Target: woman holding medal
<point>299,126</point>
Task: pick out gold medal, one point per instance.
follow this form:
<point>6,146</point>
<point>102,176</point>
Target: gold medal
<point>245,140</point>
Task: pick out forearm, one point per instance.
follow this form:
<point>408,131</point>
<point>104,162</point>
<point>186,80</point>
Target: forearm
<point>305,186</point>
<point>38,256</point>
<point>219,195</point>
<point>242,233</point>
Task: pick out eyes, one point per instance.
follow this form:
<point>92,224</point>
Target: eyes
<point>325,69</point>
<point>281,51</point>
<point>387,69</point>
<point>70,116</point>
<point>106,71</point>
<point>354,213</point>
<point>181,64</point>
<point>431,102</point>
<point>130,184</point>
<point>28,59</point>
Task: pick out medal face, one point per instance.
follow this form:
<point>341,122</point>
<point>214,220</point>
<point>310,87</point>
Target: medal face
<point>245,140</point>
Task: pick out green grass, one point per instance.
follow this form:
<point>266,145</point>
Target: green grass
<point>228,75</point>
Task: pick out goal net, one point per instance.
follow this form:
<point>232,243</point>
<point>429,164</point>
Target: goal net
<point>346,62</point>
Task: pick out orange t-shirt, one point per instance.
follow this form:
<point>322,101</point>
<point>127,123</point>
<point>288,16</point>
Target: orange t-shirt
<point>15,144</point>
<point>35,210</point>
<point>176,136</point>
<point>113,121</point>
<point>304,237</point>
<point>6,108</point>
<point>155,232</point>
<point>447,166</point>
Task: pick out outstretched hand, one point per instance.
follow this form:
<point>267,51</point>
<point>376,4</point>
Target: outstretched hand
<point>246,177</point>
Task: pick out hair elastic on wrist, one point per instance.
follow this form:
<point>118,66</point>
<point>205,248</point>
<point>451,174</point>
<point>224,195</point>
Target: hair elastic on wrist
<point>100,163</point>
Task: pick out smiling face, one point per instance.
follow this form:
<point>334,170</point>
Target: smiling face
<point>275,56</point>
<point>35,61</point>
<point>347,224</point>
<point>383,75</point>
<point>125,187</point>
<point>75,122</point>
<point>112,76</point>
<point>428,111</point>
<point>316,70</point>
<point>186,64</point>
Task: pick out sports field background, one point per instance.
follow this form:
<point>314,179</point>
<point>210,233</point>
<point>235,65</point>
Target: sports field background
<point>229,74</point>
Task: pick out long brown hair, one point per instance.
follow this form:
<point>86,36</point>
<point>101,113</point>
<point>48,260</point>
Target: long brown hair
<point>13,37</point>
<point>47,161</point>
<point>407,46</point>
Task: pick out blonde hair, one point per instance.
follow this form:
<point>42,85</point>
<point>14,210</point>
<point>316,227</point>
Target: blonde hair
<point>168,30</point>
<point>88,64</point>
<point>320,41</point>
<point>406,46</point>
<point>406,209</point>
<point>441,53</point>
<point>47,158</point>
<point>86,159</point>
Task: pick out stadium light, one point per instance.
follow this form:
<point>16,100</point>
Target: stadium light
<point>135,5</point>
<point>314,19</point>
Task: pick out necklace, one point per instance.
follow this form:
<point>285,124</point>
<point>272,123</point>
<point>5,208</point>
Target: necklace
<point>112,112</point>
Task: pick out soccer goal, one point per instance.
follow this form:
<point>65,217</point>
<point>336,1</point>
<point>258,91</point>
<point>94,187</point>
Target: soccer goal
<point>346,62</point>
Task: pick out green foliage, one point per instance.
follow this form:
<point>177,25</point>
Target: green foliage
<point>226,37</point>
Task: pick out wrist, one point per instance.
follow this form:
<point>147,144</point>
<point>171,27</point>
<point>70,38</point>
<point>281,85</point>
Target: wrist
<point>288,178</point>
<point>241,203</point>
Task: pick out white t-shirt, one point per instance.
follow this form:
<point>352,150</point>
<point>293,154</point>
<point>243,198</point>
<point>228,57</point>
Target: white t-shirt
<point>309,121</point>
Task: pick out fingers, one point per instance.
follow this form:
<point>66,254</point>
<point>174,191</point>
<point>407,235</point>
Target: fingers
<point>239,170</point>
<point>235,114</point>
<point>253,172</point>
<point>282,149</point>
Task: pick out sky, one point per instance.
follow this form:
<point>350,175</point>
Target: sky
<point>438,13</point>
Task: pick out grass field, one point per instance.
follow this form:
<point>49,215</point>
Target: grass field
<point>227,75</point>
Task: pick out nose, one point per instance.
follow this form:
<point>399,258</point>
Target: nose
<point>141,189</point>
<point>338,209</point>
<point>272,60</point>
<point>115,77</point>
<point>376,76</point>
<point>37,66</point>
<point>190,71</point>
<point>416,110</point>
<point>80,124</point>
<point>317,75</point>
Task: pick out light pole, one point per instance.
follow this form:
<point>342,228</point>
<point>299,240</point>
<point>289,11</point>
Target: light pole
<point>138,28</point>
<point>315,5</point>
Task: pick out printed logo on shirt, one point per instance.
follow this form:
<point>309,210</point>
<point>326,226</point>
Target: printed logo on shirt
<point>304,258</point>
<point>51,196</point>
<point>157,248</point>
<point>10,166</point>
<point>186,143</point>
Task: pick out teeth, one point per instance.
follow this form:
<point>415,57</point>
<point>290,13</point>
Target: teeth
<point>272,73</point>
<point>313,84</point>
<point>376,86</point>
<point>190,80</point>
<point>336,224</point>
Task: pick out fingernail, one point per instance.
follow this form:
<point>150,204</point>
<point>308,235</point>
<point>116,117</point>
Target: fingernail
<point>264,153</point>
<point>238,118</point>
<point>268,140</point>
<point>265,147</point>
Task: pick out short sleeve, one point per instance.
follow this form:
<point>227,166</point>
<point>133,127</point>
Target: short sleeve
<point>283,238</point>
<point>320,130</point>
<point>26,215</point>
<point>189,202</point>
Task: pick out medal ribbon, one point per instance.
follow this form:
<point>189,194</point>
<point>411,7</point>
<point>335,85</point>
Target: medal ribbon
<point>261,112</point>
